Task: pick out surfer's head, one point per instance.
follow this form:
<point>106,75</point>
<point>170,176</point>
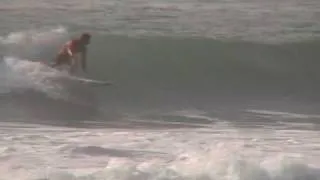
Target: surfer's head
<point>85,38</point>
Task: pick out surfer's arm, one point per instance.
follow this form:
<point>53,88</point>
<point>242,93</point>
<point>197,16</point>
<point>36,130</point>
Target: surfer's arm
<point>69,52</point>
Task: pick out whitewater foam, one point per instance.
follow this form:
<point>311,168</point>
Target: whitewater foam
<point>220,161</point>
<point>29,44</point>
<point>35,36</point>
<point>23,75</point>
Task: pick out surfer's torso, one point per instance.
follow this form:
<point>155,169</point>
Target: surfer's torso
<point>75,46</point>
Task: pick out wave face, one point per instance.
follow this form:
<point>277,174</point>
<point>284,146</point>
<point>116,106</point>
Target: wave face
<point>207,65</point>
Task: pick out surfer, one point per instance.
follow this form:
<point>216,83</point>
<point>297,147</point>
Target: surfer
<point>70,50</point>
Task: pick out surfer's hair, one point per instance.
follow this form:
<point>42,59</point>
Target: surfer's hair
<point>85,36</point>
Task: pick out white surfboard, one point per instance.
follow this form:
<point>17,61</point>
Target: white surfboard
<point>90,81</point>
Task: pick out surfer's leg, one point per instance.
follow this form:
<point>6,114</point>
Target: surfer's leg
<point>72,66</point>
<point>56,61</point>
<point>59,60</point>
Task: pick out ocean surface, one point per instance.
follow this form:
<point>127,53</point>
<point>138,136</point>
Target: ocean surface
<point>202,90</point>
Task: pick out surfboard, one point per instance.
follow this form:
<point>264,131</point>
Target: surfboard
<point>90,81</point>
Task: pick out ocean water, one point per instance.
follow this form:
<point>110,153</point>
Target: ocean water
<point>203,90</point>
